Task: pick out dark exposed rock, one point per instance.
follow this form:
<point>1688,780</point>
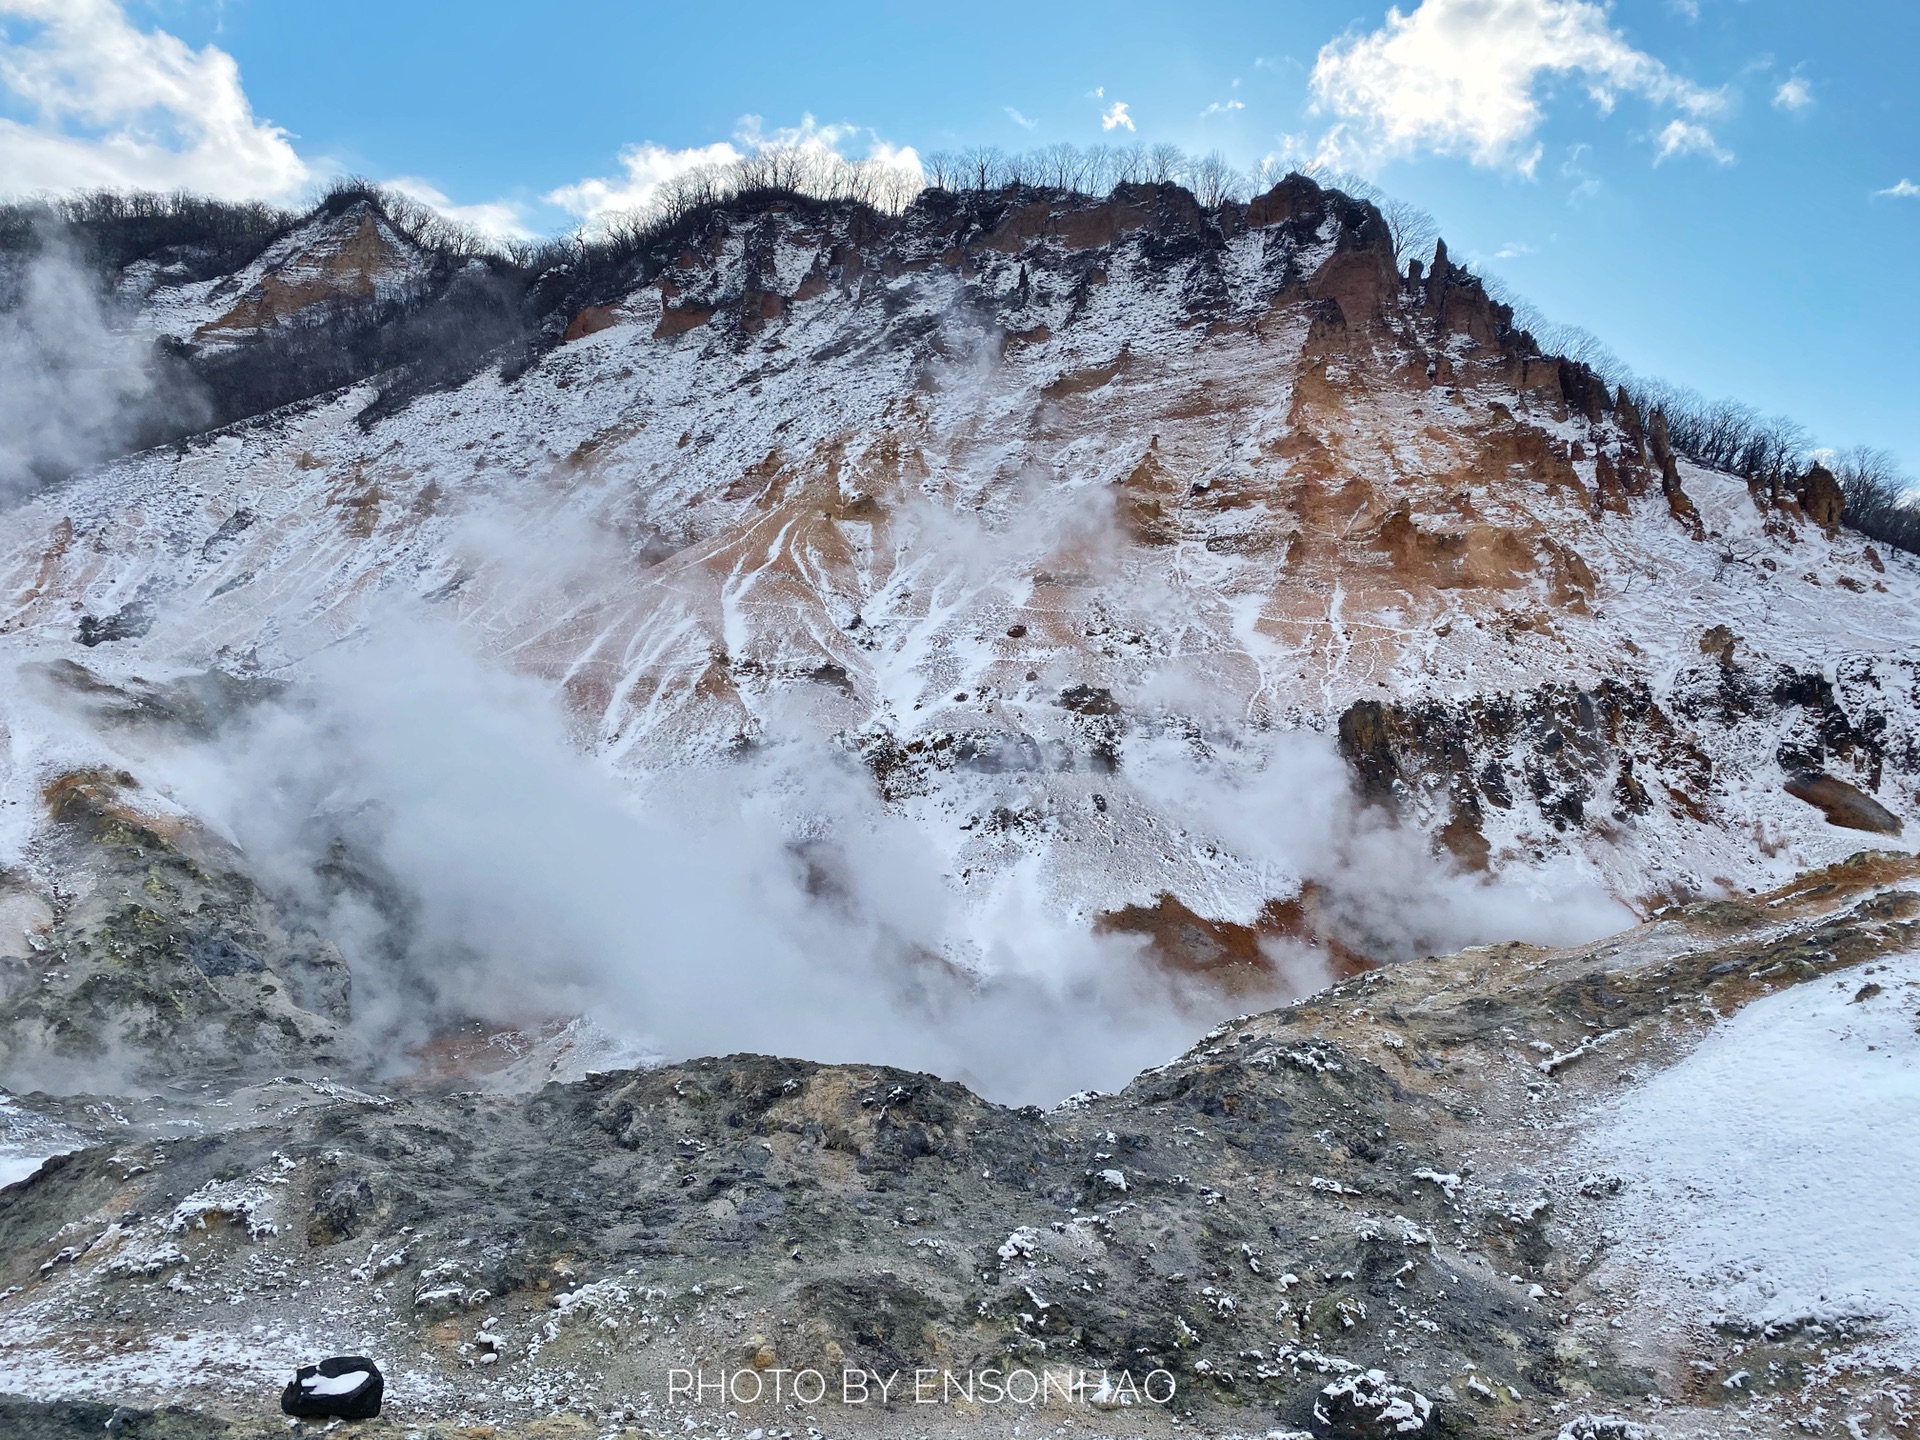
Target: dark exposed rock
<point>1566,745</point>
<point>1438,274</point>
<point>173,961</point>
<point>194,705</point>
<point>997,753</point>
<point>217,955</point>
<point>1585,392</point>
<point>1582,759</point>
<point>129,622</point>
<point>1628,415</point>
<point>74,1419</point>
<point>1678,501</point>
<point>235,524</point>
<point>1088,700</point>
<point>1366,1405</point>
<point>1610,491</point>
<point>1365,745</point>
<point>1843,804</point>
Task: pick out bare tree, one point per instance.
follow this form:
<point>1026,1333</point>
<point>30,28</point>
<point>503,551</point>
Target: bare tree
<point>1059,167</point>
<point>1266,173</point>
<point>1882,504</point>
<point>984,167</point>
<point>940,168</point>
<point>1103,169</point>
<point>1162,165</point>
<point>1211,179</point>
<point>1774,454</point>
<point>1413,230</point>
<point>1555,337</point>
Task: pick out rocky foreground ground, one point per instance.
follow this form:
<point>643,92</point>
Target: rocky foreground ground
<point>1362,1214</point>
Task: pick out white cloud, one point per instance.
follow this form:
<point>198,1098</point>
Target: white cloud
<point>1116,117</point>
<point>1461,77</point>
<point>1794,94</point>
<point>499,218</point>
<point>649,166</point>
<point>1022,121</point>
<point>1901,190</point>
<point>1685,137</point>
<point>1512,250</point>
<point>1219,107</point>
<point>116,106</point>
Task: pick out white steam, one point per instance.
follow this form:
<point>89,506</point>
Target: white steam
<point>773,906</point>
<point>1289,810</point>
<point>71,387</point>
<point>511,879</point>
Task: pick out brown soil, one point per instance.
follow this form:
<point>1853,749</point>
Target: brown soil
<point>1225,953</point>
<point>590,321</point>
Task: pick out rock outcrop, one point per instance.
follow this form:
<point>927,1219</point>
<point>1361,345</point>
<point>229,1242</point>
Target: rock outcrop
<point>1843,804</point>
<point>1822,498</point>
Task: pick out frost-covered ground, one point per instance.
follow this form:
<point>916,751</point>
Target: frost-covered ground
<point>1430,1170</point>
<point>1773,1174</point>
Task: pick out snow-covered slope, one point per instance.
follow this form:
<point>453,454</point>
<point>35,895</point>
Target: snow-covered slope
<point>1772,1169</point>
<point>1110,545</point>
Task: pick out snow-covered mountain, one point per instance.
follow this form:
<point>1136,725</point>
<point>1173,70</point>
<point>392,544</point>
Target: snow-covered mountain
<point>997,640</point>
<point>1034,505</point>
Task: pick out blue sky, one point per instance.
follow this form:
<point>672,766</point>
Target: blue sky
<point>1713,187</point>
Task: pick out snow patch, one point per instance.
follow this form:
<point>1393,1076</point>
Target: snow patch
<point>1773,1175</point>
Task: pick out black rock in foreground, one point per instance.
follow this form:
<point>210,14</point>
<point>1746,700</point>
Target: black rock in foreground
<point>342,1387</point>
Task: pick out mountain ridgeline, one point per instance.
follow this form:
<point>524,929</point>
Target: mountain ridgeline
<point>470,302</point>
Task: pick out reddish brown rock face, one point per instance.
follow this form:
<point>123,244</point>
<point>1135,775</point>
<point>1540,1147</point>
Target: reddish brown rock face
<point>351,258</point>
<point>1245,961</point>
<point>589,321</point>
